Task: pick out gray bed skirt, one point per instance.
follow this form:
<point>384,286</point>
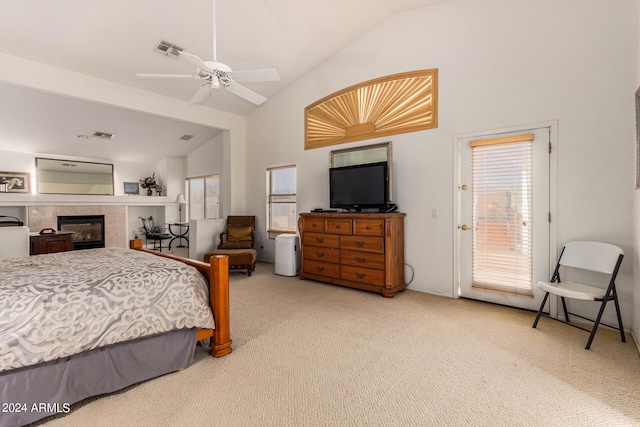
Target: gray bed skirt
<point>32,393</point>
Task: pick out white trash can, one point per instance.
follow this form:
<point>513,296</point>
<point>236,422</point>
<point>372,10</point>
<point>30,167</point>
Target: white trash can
<point>287,255</point>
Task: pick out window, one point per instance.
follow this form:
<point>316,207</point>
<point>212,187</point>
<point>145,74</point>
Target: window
<point>281,200</point>
<point>502,208</point>
<point>203,194</point>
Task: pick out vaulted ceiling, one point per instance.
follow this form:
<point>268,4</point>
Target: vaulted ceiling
<point>115,39</point>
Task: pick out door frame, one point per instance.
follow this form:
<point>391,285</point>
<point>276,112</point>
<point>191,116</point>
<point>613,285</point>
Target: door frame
<point>552,126</point>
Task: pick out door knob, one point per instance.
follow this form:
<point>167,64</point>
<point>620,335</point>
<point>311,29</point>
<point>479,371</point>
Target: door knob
<point>465,227</point>
<point>464,186</point>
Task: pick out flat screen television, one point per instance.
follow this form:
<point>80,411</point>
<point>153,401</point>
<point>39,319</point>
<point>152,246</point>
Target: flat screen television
<point>359,187</point>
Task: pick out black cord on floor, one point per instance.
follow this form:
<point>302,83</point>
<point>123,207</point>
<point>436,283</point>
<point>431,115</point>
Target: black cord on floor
<point>413,274</point>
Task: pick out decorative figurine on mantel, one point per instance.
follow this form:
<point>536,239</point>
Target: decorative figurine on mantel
<point>150,183</point>
<point>159,189</point>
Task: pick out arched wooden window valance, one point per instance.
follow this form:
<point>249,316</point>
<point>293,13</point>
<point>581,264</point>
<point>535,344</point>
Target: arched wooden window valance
<point>399,103</point>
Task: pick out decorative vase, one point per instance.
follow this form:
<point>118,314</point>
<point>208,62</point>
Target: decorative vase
<point>149,192</point>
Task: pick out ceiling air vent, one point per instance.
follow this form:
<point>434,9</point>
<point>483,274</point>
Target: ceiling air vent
<point>186,137</point>
<point>168,49</point>
<point>102,135</point>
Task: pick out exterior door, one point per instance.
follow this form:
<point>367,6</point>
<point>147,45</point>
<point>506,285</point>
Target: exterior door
<point>504,214</point>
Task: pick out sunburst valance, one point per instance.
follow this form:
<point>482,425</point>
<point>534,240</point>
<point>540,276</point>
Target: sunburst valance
<point>399,103</point>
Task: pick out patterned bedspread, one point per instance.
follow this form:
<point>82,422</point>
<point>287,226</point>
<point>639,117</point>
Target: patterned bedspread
<point>58,305</point>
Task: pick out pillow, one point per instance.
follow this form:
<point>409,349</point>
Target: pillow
<point>236,245</point>
<point>238,233</point>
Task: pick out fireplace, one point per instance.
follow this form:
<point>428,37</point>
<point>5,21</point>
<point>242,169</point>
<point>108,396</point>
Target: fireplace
<point>88,230</point>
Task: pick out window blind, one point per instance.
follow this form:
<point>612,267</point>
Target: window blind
<point>281,199</point>
<point>204,197</point>
<point>502,196</point>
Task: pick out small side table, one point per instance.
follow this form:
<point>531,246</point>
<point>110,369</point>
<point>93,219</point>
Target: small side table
<point>60,241</point>
<point>182,234</point>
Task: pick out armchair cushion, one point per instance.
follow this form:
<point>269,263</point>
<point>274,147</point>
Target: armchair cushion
<point>235,245</point>
<point>239,233</point>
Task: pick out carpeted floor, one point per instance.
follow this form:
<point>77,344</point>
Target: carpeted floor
<point>311,354</point>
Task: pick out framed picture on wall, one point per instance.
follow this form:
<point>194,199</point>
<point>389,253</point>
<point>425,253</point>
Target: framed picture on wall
<point>638,138</point>
<point>131,188</point>
<point>14,182</point>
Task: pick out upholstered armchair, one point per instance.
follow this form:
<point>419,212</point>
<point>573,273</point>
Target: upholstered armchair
<point>239,233</point>
<point>237,242</point>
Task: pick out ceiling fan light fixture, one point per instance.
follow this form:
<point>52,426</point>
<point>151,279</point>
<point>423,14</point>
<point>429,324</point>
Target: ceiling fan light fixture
<point>215,82</point>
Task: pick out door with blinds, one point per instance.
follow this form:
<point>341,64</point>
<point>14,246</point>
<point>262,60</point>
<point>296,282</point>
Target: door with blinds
<point>503,225</point>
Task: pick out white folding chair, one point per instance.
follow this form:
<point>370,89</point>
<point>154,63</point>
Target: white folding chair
<point>594,256</point>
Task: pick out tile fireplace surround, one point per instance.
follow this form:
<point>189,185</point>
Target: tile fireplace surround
<point>115,220</point>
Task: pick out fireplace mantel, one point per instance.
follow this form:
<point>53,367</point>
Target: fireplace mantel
<point>79,200</point>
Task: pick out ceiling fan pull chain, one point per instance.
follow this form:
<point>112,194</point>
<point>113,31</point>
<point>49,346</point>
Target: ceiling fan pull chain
<point>214,32</point>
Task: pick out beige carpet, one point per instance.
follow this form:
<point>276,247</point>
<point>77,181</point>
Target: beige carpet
<point>310,354</point>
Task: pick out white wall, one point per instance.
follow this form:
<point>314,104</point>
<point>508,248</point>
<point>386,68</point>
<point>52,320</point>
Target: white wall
<point>209,159</point>
<point>636,216</point>
<point>122,171</point>
<point>501,63</point>
<point>206,160</point>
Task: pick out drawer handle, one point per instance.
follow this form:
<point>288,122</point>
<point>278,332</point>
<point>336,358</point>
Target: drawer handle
<point>359,244</point>
<point>360,275</point>
<point>319,239</point>
<point>319,254</point>
<point>360,259</point>
<point>313,225</point>
<point>368,227</point>
<point>319,268</point>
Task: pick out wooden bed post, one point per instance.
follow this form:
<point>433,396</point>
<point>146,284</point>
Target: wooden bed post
<point>217,273</point>
<point>219,300</point>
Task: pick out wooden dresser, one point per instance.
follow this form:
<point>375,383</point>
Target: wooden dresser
<point>50,243</point>
<point>359,250</point>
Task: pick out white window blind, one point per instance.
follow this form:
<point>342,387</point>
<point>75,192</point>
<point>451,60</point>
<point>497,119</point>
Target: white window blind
<point>502,197</point>
<point>281,199</point>
<point>203,194</point>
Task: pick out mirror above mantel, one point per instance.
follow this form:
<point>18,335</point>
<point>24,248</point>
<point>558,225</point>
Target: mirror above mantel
<point>62,176</point>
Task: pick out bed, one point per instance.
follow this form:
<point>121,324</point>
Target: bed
<point>83,323</point>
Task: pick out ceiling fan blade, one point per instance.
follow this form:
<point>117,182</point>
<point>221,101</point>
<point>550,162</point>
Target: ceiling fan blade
<point>194,60</point>
<point>266,75</point>
<point>168,76</point>
<point>202,94</point>
<point>247,94</point>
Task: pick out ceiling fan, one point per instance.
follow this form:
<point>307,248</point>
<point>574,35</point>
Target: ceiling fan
<point>215,74</point>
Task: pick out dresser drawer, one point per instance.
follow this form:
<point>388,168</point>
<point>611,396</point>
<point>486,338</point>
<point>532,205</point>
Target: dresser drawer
<point>339,226</point>
<point>362,243</point>
<point>362,259</point>
<point>321,239</point>
<point>319,253</point>
<point>317,225</point>
<point>362,275</point>
<point>321,268</point>
<point>369,227</point>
